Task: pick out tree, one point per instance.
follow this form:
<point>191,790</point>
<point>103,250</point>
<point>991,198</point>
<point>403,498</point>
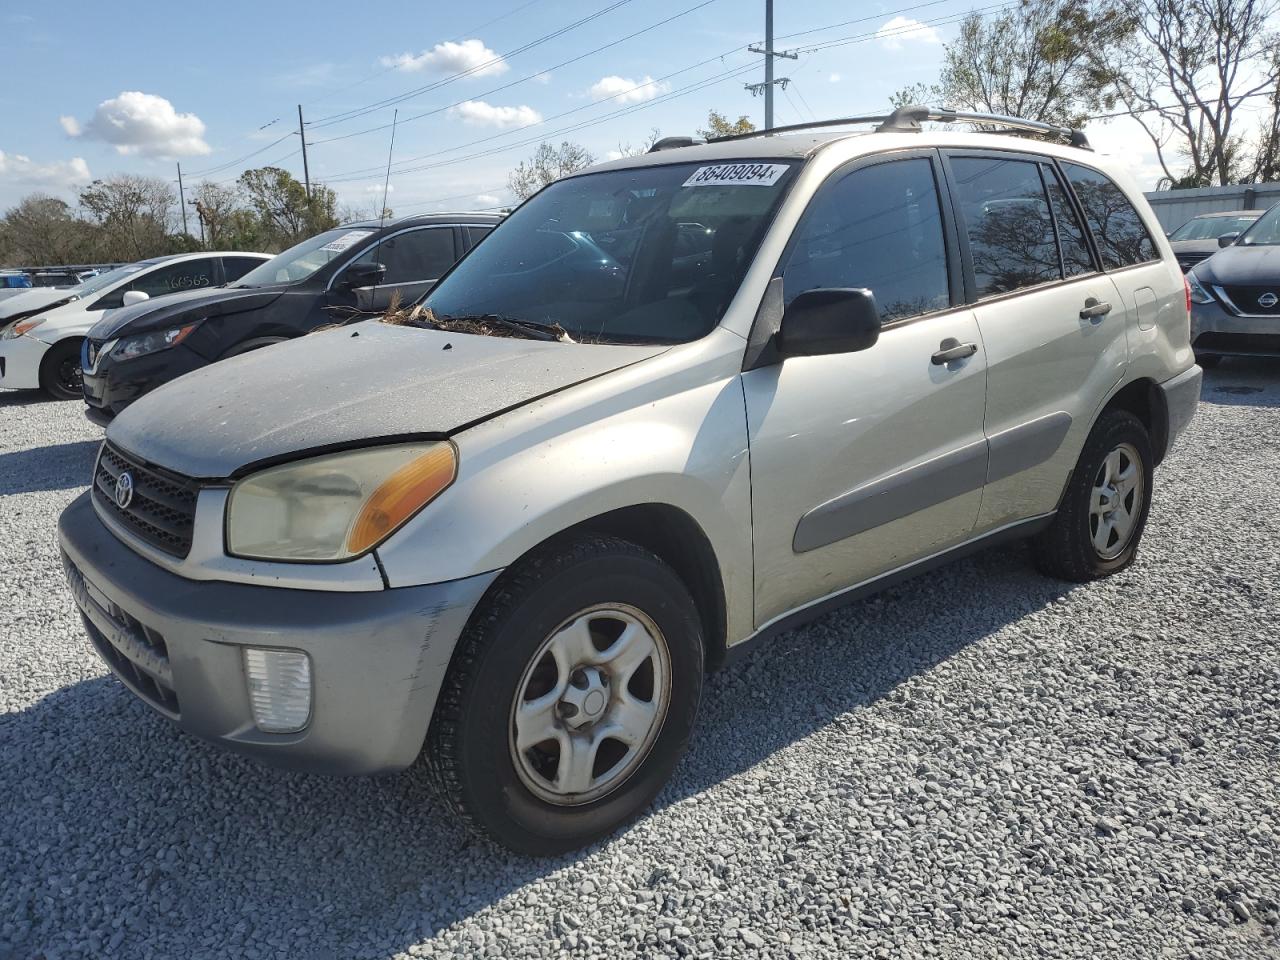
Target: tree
<point>216,206</point>
<point>1187,69</point>
<point>43,231</point>
<point>1041,61</point>
<point>281,204</point>
<point>132,214</point>
<point>719,126</point>
<point>630,149</point>
<point>547,165</point>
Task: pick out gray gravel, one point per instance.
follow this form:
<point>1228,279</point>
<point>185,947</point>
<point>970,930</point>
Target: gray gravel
<point>981,763</point>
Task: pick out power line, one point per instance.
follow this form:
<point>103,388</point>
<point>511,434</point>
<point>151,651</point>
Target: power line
<point>352,114</point>
<point>526,78</point>
<point>231,163</point>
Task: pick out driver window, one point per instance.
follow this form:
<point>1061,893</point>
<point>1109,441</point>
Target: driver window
<point>414,256</point>
<point>879,227</point>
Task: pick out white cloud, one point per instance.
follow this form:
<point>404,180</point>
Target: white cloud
<point>142,123</point>
<point>377,188</point>
<point>894,33</point>
<point>614,155</point>
<point>1125,141</point>
<point>477,113</point>
<point>451,57</point>
<point>628,91</point>
<point>488,199</point>
<point>834,78</point>
<point>54,176</point>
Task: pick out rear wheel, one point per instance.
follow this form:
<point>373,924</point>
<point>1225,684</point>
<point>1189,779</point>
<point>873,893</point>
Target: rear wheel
<point>570,698</point>
<point>1104,509</point>
<point>60,375</point>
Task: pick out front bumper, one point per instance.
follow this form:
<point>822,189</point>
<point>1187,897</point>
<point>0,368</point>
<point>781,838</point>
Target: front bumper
<point>1216,331</point>
<point>377,659</point>
<point>113,384</point>
<point>20,362</point>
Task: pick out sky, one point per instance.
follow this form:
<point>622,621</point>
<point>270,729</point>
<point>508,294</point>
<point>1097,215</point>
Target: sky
<point>87,91</point>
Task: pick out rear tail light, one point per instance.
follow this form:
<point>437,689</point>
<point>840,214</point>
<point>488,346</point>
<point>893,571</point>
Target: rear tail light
<point>1186,287</point>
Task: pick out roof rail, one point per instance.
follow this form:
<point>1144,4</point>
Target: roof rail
<point>908,119</point>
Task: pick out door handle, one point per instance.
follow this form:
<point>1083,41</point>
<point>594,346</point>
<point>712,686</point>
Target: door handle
<point>951,349</point>
<point>1095,309</point>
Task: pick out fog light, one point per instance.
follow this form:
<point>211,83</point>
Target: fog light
<point>279,689</point>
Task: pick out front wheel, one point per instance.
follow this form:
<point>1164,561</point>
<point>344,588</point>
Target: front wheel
<point>1104,509</point>
<point>60,374</point>
<point>570,698</point>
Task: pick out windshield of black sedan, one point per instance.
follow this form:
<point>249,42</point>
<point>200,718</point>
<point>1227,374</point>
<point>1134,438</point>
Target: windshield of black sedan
<point>303,259</point>
<point>1265,230</point>
<point>1210,228</point>
<point>642,255</point>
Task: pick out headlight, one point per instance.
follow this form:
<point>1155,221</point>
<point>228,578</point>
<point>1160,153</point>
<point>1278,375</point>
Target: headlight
<point>338,506</point>
<point>153,342</point>
<point>1198,293</point>
<point>21,327</point>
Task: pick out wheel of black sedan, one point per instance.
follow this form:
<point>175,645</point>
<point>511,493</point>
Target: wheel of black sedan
<point>570,698</point>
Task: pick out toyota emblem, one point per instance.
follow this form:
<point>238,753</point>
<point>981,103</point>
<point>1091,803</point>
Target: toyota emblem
<point>1268,300</point>
<point>124,490</point>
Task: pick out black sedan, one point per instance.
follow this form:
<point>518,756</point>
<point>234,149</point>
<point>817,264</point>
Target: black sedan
<point>357,268</point>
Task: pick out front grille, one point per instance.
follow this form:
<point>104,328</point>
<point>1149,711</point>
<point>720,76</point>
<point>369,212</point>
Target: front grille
<point>163,507</point>
<point>1246,298</point>
<point>137,653</point>
<point>1262,344</point>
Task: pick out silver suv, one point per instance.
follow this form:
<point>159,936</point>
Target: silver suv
<point>673,405</point>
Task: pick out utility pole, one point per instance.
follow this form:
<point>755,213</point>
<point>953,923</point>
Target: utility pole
<point>182,199</point>
<point>302,135</point>
<point>769,56</point>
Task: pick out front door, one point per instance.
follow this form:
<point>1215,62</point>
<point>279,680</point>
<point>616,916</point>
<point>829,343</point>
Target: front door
<point>864,462</point>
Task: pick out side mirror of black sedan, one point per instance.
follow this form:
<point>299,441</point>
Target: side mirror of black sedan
<point>362,275</point>
<point>1227,239</point>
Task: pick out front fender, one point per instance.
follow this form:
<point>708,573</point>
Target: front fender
<point>654,433</point>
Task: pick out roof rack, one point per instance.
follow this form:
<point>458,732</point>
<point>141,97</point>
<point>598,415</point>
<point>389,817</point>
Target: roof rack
<point>671,143</point>
<point>909,118</point>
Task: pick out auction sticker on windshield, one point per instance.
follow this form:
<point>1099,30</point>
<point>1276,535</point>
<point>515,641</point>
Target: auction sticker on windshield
<point>740,174</point>
<point>348,239</point>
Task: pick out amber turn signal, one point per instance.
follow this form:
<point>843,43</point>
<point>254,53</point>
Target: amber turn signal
<point>402,495</point>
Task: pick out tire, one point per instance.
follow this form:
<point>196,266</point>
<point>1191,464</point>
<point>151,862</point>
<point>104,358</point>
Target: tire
<point>1070,548</point>
<point>514,795</point>
<point>60,375</point>
<point>1208,360</point>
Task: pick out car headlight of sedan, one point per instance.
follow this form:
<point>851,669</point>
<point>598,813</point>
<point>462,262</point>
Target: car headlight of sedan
<point>1198,293</point>
<point>338,506</point>
<point>153,341</point>
<point>15,330</point>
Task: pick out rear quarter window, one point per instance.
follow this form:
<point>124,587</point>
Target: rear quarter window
<point>1117,228</point>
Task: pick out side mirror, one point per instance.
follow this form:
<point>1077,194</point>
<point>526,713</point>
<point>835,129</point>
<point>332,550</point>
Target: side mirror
<point>134,296</point>
<point>834,320</point>
<point>1227,239</point>
<point>362,275</point>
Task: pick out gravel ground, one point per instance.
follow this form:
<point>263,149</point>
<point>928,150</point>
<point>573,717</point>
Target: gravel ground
<point>981,763</point>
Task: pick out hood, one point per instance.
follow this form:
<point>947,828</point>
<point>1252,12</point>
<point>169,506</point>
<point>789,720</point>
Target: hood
<point>1242,265</point>
<point>348,387</point>
<point>33,301</point>
<point>149,314</point>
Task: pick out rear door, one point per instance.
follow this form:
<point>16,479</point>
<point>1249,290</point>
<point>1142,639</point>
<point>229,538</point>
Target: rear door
<point>1053,325</point>
<point>863,462</point>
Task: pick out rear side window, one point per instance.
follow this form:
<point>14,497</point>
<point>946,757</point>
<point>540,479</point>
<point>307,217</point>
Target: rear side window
<point>1076,259</point>
<point>1008,220</point>
<point>1122,238</point>
<point>417,255</point>
<point>879,227</point>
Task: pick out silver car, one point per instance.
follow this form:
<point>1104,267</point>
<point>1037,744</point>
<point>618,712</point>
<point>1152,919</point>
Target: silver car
<point>512,530</point>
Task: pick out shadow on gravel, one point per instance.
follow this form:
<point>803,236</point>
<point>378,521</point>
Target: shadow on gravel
<point>109,811</point>
<point>20,398</point>
<point>1243,381</point>
<point>60,466</point>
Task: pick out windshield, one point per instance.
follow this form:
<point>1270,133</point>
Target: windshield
<point>1211,228</point>
<point>303,259</point>
<point>104,280</point>
<point>1265,230</point>
<point>643,255</point>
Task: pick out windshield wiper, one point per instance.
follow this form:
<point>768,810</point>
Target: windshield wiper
<point>527,328</point>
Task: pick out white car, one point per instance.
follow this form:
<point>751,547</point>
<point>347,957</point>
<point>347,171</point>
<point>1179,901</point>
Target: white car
<point>40,347</point>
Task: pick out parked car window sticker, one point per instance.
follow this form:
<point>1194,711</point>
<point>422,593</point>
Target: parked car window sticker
<point>879,228</point>
<point>744,174</point>
<point>302,259</point>
<point>347,240</point>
